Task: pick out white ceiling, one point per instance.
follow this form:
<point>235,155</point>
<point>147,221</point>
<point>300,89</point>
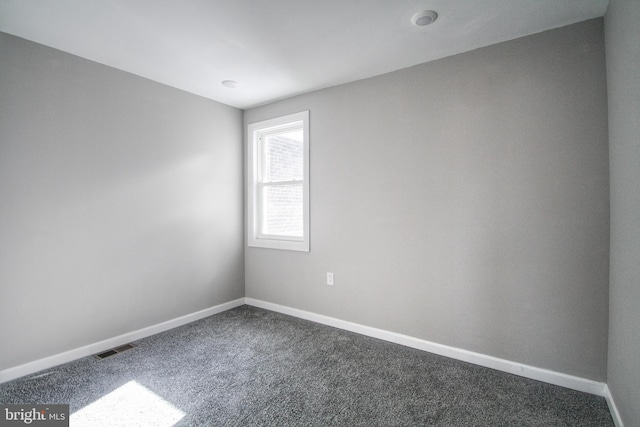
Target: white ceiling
<point>276,48</point>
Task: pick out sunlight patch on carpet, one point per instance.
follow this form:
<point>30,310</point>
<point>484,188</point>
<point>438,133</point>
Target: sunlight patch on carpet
<point>129,405</point>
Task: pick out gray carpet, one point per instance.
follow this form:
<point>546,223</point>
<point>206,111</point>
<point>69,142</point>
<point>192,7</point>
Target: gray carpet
<point>252,367</point>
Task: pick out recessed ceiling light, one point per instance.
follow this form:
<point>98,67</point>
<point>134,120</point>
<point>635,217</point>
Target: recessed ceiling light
<point>229,83</point>
<point>424,18</point>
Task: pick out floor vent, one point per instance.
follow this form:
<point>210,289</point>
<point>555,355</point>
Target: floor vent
<point>113,351</point>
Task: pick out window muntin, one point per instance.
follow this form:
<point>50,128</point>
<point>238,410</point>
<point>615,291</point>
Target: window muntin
<point>278,183</point>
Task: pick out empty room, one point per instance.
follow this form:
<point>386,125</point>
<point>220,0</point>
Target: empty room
<point>322,213</point>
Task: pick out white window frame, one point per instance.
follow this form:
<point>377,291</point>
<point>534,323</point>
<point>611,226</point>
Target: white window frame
<point>255,237</point>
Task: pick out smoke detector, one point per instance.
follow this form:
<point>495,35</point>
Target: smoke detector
<point>424,18</point>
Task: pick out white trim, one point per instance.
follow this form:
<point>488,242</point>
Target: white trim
<point>254,130</point>
<point>90,349</point>
<point>617,420</point>
<point>532,372</point>
<point>545,375</point>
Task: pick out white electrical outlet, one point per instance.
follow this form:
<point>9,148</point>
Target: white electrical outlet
<point>330,279</point>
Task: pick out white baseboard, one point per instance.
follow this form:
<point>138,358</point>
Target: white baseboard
<point>548,376</point>
<point>617,420</point>
<point>539,374</point>
<point>68,356</point>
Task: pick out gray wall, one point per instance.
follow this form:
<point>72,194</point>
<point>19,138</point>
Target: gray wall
<point>623,78</point>
<point>120,202</point>
<point>463,201</point>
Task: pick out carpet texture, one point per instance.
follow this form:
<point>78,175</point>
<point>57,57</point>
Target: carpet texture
<point>252,367</point>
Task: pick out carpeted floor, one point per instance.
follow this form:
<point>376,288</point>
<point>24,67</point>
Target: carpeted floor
<point>252,367</point>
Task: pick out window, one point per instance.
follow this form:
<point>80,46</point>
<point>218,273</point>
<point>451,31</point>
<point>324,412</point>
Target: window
<point>278,183</point>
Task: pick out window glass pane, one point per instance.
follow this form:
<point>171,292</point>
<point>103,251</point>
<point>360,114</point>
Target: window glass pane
<point>282,210</point>
<point>283,156</point>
